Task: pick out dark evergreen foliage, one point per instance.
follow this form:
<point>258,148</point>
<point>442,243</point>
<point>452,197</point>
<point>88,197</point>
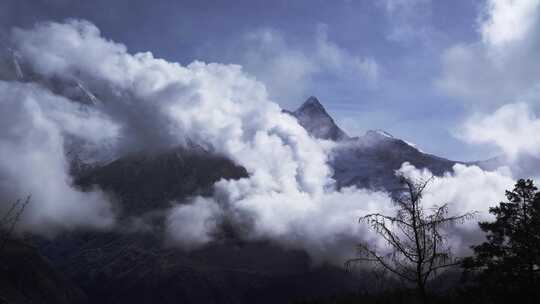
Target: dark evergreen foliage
<point>506,267</point>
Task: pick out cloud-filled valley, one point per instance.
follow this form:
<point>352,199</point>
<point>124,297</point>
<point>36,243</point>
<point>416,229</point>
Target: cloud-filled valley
<point>67,86</point>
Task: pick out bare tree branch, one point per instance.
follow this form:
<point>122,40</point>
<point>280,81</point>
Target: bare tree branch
<point>414,235</point>
<point>10,220</point>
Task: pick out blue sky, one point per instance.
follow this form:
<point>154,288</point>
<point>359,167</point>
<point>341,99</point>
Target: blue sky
<point>373,64</point>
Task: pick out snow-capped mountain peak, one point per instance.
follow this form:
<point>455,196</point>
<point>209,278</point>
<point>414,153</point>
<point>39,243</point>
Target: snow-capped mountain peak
<point>369,160</point>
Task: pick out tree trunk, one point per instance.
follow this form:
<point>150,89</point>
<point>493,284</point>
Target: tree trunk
<point>422,293</point>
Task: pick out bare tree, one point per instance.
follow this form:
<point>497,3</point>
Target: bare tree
<point>10,220</point>
<point>418,247</point>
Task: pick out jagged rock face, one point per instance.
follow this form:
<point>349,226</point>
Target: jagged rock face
<point>314,118</point>
<point>370,161</point>
<point>367,161</point>
<point>146,182</point>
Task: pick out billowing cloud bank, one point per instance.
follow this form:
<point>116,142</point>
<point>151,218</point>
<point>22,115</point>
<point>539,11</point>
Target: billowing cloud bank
<point>34,123</point>
<point>498,78</point>
<point>466,189</point>
<point>134,102</point>
<point>514,128</point>
<point>146,103</point>
<point>502,66</point>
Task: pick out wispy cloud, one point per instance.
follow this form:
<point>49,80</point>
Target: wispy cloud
<point>502,65</point>
<point>498,78</point>
<point>290,69</point>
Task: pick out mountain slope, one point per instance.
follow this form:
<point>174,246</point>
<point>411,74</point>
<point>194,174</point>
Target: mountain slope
<point>137,267</point>
<point>367,161</point>
<point>145,182</point>
<point>370,161</point>
<point>26,277</point>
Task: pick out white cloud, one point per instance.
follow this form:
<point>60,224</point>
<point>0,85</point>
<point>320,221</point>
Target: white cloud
<point>338,60</point>
<point>466,189</point>
<point>285,70</point>
<point>502,66</point>
<point>290,193</point>
<point>408,21</point>
<point>33,124</point>
<point>288,69</point>
<point>507,21</point>
<point>514,128</point>
<point>214,105</point>
<point>190,226</point>
<point>326,224</point>
<point>498,77</point>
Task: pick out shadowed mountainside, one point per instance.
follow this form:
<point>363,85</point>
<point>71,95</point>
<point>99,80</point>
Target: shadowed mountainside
<point>137,266</point>
<point>27,277</point>
<point>367,161</point>
<point>146,182</point>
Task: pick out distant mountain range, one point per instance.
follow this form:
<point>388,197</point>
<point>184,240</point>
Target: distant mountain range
<point>150,181</point>
<point>367,161</point>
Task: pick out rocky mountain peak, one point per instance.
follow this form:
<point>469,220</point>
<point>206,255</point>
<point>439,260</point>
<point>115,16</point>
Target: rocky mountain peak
<point>314,105</point>
<point>314,118</point>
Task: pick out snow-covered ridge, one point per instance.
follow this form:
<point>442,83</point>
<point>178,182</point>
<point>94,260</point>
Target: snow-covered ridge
<point>383,133</point>
<point>369,160</point>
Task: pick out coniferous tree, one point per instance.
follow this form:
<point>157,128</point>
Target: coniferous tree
<point>507,266</point>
